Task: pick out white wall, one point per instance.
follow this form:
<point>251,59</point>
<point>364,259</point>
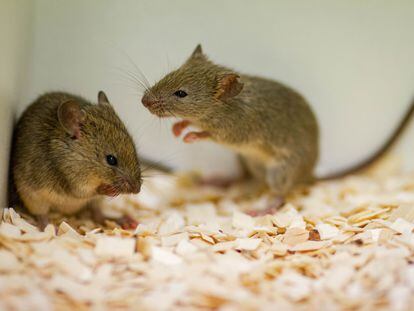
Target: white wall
<point>15,34</point>
<point>351,59</point>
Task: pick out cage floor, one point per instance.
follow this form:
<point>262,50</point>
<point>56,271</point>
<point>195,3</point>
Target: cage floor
<point>337,245</point>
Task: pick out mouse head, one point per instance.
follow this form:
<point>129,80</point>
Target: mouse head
<point>99,156</point>
<point>194,90</point>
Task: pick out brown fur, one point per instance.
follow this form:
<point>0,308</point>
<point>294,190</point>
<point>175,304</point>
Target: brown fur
<point>59,159</point>
<point>269,124</point>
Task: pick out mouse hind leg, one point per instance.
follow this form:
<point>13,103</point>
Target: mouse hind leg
<point>126,222</point>
<point>36,204</point>
<point>259,173</point>
<point>280,177</point>
<point>245,174</point>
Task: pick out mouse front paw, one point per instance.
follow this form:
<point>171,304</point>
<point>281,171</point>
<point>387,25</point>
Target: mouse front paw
<point>178,127</point>
<point>127,222</point>
<point>42,221</point>
<point>195,136</point>
<point>273,207</point>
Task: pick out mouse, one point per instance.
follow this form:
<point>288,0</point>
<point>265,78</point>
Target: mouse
<point>268,124</point>
<point>69,153</point>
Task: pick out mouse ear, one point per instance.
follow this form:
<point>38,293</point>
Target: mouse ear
<point>71,116</point>
<point>228,86</point>
<point>103,99</point>
<point>198,53</point>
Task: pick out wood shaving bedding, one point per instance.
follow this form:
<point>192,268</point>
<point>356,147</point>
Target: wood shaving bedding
<point>344,245</point>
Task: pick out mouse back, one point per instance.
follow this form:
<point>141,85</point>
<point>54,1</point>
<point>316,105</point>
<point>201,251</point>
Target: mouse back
<point>67,145</point>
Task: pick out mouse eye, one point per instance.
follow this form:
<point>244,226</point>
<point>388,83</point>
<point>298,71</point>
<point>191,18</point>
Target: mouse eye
<point>180,93</point>
<point>111,160</point>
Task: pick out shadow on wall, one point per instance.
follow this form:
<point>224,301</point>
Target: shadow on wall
<point>15,27</point>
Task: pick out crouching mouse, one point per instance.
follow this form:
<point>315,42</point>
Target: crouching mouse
<point>69,153</point>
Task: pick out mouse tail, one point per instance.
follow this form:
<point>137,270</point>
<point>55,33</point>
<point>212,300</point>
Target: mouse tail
<point>388,145</point>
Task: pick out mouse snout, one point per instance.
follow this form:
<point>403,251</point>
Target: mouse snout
<point>149,101</point>
<point>130,186</point>
<point>135,188</point>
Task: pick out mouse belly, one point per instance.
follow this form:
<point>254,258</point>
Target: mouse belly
<point>280,169</point>
<point>258,154</point>
<point>40,202</point>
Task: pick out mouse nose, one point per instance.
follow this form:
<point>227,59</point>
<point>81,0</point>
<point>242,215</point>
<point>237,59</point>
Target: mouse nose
<point>147,101</point>
<point>131,186</point>
<point>135,188</point>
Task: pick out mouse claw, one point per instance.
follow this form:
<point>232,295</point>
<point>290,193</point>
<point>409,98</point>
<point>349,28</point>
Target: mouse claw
<point>277,203</point>
<point>127,222</point>
<point>178,127</point>
<point>42,221</point>
<point>195,136</point>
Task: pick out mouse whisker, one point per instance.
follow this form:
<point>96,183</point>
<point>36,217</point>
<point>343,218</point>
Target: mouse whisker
<point>139,71</point>
<point>137,78</point>
<point>127,77</point>
<point>133,87</point>
<point>134,79</point>
<point>137,68</point>
<point>155,174</point>
<point>131,78</point>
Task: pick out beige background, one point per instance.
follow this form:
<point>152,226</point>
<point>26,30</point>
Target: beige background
<point>351,59</point>
<point>15,36</point>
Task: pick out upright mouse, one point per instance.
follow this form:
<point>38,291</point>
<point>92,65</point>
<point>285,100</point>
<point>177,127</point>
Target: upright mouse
<point>270,125</point>
<point>68,153</point>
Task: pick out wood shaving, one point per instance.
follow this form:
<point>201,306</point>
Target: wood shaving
<point>342,245</point>
<point>295,236</point>
<point>327,231</point>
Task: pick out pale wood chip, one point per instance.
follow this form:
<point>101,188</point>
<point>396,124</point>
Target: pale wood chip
<point>8,261</point>
<point>22,224</point>
<point>10,231</point>
<point>74,290</point>
<point>194,249</point>
<point>327,231</point>
<point>404,211</point>
<point>402,226</point>
<point>147,229</point>
<point>309,246</point>
<point>115,247</point>
<point>71,265</point>
<point>207,238</point>
<point>173,240</point>
<point>185,248</point>
<point>164,256</point>
<point>278,248</point>
<point>65,228</point>
<point>224,246</point>
<point>242,221</point>
<point>248,244</point>
<point>200,213</point>
<point>365,215</point>
<point>173,224</point>
<point>295,236</point>
<point>282,220</point>
<point>144,246</point>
